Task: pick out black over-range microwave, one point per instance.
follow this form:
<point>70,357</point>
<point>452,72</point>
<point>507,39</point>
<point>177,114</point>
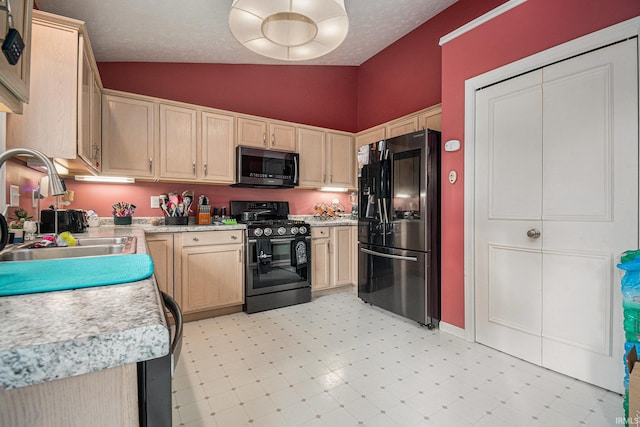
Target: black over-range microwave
<point>266,168</point>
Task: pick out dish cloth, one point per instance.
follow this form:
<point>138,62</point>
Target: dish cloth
<point>264,254</point>
<point>26,277</point>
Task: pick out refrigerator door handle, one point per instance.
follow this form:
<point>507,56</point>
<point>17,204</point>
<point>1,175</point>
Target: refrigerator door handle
<point>400,257</point>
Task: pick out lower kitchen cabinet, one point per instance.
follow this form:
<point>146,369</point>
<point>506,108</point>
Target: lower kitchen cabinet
<point>212,270</point>
<point>332,257</point>
<point>161,250</point>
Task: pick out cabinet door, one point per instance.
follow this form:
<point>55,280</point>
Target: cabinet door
<point>341,163</point>
<point>431,120</point>
<point>252,133</point>
<point>218,154</point>
<point>212,277</point>
<point>402,127</point>
<point>370,136</point>
<point>311,147</point>
<point>341,255</point>
<point>87,146</point>
<point>282,137</point>
<point>177,142</point>
<point>96,125</point>
<point>49,122</point>
<point>128,136</point>
<point>161,250</point>
<point>14,79</point>
<point>321,264</point>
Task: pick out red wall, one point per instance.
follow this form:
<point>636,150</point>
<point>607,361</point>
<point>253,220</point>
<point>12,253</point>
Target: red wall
<point>314,95</point>
<point>406,76</point>
<point>532,27</point>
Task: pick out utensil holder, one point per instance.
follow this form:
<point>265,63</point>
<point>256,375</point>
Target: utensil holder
<point>122,220</point>
<point>176,220</point>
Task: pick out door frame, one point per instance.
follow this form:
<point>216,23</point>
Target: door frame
<point>595,40</point>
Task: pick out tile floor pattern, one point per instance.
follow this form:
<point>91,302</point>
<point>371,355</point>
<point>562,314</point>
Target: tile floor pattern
<point>339,362</point>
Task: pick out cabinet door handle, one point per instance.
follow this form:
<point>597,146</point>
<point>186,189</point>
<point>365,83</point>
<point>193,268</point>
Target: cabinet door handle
<point>205,168</point>
<point>264,138</point>
<point>194,168</point>
<point>195,239</point>
<point>240,256</point>
<point>150,164</point>
<point>273,139</point>
<point>234,237</point>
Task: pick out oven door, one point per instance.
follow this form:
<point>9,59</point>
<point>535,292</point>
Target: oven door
<point>283,274</point>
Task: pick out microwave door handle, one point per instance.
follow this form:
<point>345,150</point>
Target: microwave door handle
<point>295,174</point>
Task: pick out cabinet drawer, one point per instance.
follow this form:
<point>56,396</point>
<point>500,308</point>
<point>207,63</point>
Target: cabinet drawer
<point>202,238</point>
<point>320,232</point>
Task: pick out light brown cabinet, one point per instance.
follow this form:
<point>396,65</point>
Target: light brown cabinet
<point>212,270</point>
<point>178,142</point>
<point>14,79</point>
<point>129,136</point>
<point>326,159</point>
<point>218,155</point>
<point>263,134</point>
<point>61,117</point>
<point>161,250</point>
<point>332,257</point>
<point>402,127</point>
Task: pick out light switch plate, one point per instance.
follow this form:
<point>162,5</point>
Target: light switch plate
<point>155,201</point>
<point>453,176</point>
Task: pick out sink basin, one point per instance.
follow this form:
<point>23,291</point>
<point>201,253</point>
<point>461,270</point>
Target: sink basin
<point>86,247</point>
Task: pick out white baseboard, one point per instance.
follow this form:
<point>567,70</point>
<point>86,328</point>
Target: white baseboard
<point>453,330</point>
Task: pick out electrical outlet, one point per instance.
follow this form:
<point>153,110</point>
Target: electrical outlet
<point>34,198</point>
<point>155,201</point>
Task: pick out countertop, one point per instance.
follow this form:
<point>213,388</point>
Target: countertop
<point>53,335</point>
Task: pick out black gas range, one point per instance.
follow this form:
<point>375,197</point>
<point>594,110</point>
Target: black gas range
<point>277,255</point>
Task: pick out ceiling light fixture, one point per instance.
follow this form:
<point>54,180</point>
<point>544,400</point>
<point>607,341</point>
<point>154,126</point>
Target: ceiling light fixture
<point>289,30</point>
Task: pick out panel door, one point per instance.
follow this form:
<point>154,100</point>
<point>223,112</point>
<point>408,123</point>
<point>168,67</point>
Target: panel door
<point>341,161</point>
<point>218,155</point>
<point>555,204</point>
<point>251,133</point>
<point>589,209</point>
<point>321,264</point>
<point>161,251</point>
<point>508,204</point>
<point>283,137</point>
<point>178,140</point>
<point>311,147</point>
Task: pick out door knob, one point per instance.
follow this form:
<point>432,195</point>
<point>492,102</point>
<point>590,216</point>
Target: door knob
<point>533,233</point>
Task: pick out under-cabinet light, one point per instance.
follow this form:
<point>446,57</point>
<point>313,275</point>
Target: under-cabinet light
<point>334,189</point>
<point>106,179</point>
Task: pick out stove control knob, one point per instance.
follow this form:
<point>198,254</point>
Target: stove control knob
<point>302,229</point>
<point>294,230</point>
<point>257,232</point>
<point>281,231</point>
<point>268,231</point>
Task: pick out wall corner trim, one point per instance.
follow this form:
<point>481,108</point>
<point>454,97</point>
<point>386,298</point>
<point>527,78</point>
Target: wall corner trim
<point>454,330</point>
<point>480,20</point>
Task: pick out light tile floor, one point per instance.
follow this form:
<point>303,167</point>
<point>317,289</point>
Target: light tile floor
<point>340,362</point>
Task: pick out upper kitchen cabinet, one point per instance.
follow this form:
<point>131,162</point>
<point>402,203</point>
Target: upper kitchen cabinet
<point>370,135</point>
<point>129,135</point>
<point>62,118</point>
<point>262,134</point>
<point>217,151</point>
<point>326,159</point>
<point>402,126</point>
<point>431,119</point>
<point>178,142</point>
<point>14,79</point>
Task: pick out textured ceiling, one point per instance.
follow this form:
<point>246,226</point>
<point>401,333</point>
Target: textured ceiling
<point>197,30</point>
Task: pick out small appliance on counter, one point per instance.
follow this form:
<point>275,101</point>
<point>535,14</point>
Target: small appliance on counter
<point>71,220</point>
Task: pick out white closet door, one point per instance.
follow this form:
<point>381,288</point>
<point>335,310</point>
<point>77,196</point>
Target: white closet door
<point>589,209</point>
<point>557,153</point>
<point>508,203</point>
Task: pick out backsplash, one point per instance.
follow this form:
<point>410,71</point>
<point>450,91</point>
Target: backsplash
<point>100,197</point>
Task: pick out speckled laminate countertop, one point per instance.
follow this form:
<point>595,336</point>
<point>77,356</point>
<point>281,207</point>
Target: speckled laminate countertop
<point>53,335</point>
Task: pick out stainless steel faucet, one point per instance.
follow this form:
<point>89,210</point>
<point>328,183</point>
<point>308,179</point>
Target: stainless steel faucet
<point>56,185</point>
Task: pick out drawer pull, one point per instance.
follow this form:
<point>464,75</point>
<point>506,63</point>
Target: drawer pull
<point>234,237</point>
<point>195,239</point>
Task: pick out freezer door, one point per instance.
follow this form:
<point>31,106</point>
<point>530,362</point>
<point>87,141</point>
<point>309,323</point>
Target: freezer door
<point>396,280</point>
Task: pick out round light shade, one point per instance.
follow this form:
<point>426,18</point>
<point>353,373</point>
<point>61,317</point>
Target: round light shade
<point>290,30</point>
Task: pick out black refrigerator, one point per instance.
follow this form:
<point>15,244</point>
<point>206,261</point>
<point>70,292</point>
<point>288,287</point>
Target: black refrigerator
<point>399,226</point>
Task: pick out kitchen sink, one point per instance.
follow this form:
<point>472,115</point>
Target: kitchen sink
<point>85,247</point>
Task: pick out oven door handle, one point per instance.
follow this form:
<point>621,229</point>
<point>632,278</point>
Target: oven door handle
<point>276,241</point>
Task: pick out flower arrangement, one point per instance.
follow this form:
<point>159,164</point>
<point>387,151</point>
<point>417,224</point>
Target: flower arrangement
<point>19,217</point>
